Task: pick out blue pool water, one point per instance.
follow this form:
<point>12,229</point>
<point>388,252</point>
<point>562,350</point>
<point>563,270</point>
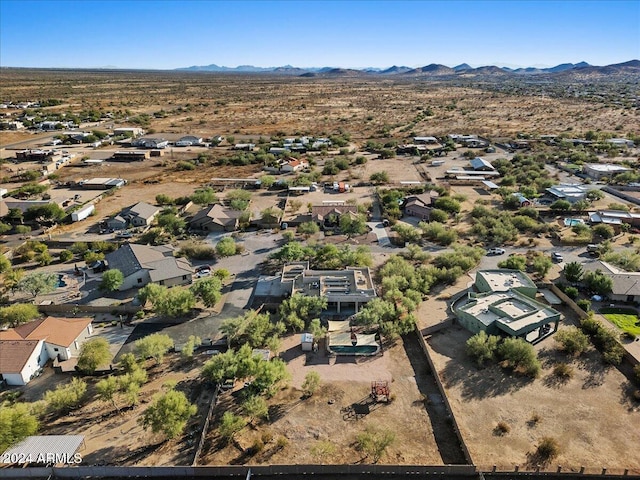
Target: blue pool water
<point>61,283</point>
<point>571,222</point>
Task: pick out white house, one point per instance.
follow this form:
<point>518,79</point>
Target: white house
<point>599,170</point>
<point>26,348</point>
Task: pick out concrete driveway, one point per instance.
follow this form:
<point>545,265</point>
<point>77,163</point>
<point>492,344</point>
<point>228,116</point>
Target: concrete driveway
<point>381,233</point>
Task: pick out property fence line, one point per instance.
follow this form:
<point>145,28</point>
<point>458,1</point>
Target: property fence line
<point>445,399</point>
<point>79,308</point>
<point>240,471</point>
<point>205,426</point>
<point>618,193</point>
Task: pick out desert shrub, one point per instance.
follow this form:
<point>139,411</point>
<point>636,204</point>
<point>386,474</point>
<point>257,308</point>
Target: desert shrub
<point>563,370</point>
<point>572,340</point>
<point>482,347</point>
<point>198,251</point>
<point>520,355</point>
<point>548,448</point>
<point>502,428</point>
<point>584,304</point>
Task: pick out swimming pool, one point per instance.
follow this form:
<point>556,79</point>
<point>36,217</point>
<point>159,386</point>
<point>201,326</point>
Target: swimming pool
<point>61,283</point>
<point>572,222</point>
<point>357,350</point>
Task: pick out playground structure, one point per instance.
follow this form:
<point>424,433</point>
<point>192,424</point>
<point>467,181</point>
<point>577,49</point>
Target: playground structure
<point>380,393</point>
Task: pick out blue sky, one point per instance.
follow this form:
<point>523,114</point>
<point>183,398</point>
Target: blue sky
<point>168,34</point>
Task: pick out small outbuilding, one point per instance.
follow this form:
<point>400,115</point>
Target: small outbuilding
<point>306,342</point>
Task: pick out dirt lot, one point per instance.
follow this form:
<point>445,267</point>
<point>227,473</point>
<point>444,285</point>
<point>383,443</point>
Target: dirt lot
<point>115,438</point>
<point>591,415</point>
<point>345,381</point>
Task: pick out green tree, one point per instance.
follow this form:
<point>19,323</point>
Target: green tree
<point>204,196</point>
<point>595,194</point>
<point>4,228</point>
<point>230,425</point>
<point>66,397</point>
<point>48,212</point>
<point>5,264</point>
<point>155,346</point>
<point>65,255</point>
<point>172,223</point>
<point>220,367</point>
<point>572,340</point>
<point>226,247</point>
<point>561,206</point>
<point>515,262</point>
<point>308,228</point>
<point>448,204</point>
<point>597,282</point>
<point>311,383</point>
<point>351,225</point>
<point>520,355</point>
<point>93,353</point>
<point>378,178</point>
<point>238,199</point>
<point>112,280</point>
<point>373,443</point>
<point>107,388</point>
<point>482,347</point>
<point>168,414</point>
<point>17,314</point>
<point>541,265</point>
<point>208,290</point>
<point>267,181</point>
<point>255,407</point>
<point>268,375</point>
<point>573,272</point>
<point>79,248</point>
<point>297,310</point>
<point>38,283</point>
<point>16,423</point>
<point>128,363</point>
<point>438,215</point>
<point>188,348</point>
<point>604,231</point>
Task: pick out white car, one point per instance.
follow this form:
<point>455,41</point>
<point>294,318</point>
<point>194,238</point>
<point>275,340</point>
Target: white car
<point>495,251</point>
<point>203,273</point>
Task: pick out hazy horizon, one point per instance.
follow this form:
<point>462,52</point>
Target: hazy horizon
<point>351,34</point>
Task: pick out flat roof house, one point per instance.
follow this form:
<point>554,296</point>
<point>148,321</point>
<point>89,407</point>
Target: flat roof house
<point>506,306</point>
<point>143,264</point>
<point>600,170</point>
<point>572,192</point>
<point>345,290</point>
<point>614,217</point>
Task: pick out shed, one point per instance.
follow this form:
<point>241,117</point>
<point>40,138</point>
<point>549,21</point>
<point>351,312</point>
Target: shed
<point>306,341</point>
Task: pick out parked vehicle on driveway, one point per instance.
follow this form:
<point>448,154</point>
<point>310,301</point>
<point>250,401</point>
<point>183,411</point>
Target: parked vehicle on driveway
<point>496,251</point>
<point>556,257</point>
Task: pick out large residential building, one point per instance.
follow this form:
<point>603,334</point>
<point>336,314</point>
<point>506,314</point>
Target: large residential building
<point>345,290</point>
<point>420,206</point>
<point>27,347</point>
<point>505,305</point>
<point>626,285</point>
<point>572,192</point>
<point>600,170</point>
<point>142,264</point>
<point>216,218</point>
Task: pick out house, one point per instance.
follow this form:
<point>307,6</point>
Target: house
<point>502,302</point>
<point>345,290</point>
<point>614,217</point>
<point>12,125</point>
<point>244,146</point>
<point>626,285</point>
<point>132,132</point>
<point>139,215</point>
<point>189,140</point>
<point>328,216</point>
<point>143,264</point>
<point>420,206</point>
<point>26,348</point>
<point>600,170</point>
<point>216,218</point>
<point>425,140</point>
<point>100,183</point>
<point>621,142</point>
<point>572,192</point>
<point>35,155</point>
<point>147,142</point>
<point>480,164</point>
<point>293,165</point>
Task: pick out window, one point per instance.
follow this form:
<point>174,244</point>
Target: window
<point>139,280</point>
<point>184,277</point>
<point>55,349</point>
<point>161,282</point>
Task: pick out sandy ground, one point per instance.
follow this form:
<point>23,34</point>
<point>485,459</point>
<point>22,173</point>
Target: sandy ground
<point>592,415</point>
<point>306,422</point>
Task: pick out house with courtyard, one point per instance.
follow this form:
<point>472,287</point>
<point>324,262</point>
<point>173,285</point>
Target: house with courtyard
<point>28,347</point>
<point>216,218</point>
<point>141,214</point>
<point>602,170</point>
<point>328,215</point>
<point>143,264</point>
<point>502,302</point>
<point>572,192</point>
<point>346,290</point>
<point>615,218</point>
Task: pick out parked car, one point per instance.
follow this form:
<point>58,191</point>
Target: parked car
<point>199,268</point>
<point>556,257</point>
<point>124,235</point>
<point>203,273</point>
<point>496,251</point>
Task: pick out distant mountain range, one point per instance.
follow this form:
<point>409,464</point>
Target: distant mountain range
<point>432,70</point>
